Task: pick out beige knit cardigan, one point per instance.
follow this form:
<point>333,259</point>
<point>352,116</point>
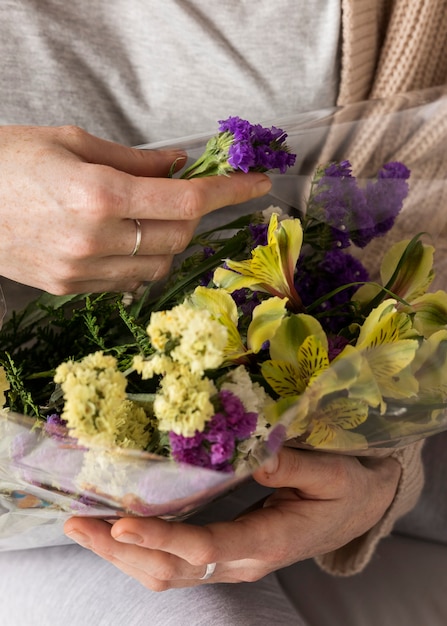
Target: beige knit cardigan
<point>390,47</point>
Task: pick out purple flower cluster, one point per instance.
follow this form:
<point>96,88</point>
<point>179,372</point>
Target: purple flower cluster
<point>315,280</point>
<point>255,148</point>
<point>214,448</point>
<point>258,234</point>
<point>246,300</point>
<point>207,277</point>
<point>56,427</point>
<point>359,215</point>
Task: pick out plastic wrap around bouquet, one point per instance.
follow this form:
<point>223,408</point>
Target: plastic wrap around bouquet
<point>315,317</point>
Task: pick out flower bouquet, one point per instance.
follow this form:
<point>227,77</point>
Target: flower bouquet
<point>307,319</point>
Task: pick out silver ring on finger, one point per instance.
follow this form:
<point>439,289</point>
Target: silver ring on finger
<point>137,238</point>
<point>209,571</point>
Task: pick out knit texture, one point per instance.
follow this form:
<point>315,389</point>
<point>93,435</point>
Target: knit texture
<point>391,47</point>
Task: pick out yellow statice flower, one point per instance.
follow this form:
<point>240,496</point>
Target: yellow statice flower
<point>188,335</point>
<point>183,402</point>
<point>134,427</point>
<point>4,386</point>
<point>96,407</point>
<point>271,267</point>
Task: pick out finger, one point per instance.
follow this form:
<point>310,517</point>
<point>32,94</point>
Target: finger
<point>317,475</point>
<point>177,199</point>
<point>131,160</point>
<point>246,538</point>
<point>158,237</point>
<point>151,567</point>
<point>117,274</point>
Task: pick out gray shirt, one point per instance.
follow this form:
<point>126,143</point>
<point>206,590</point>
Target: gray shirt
<point>138,71</point>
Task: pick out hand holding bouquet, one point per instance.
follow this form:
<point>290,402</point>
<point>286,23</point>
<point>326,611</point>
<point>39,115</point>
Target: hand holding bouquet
<point>270,331</point>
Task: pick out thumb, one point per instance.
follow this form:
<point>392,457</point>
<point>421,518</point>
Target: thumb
<point>308,471</point>
<point>135,161</point>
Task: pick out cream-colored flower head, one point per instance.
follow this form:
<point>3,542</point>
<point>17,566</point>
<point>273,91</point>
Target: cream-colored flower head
<point>189,336</point>
<point>96,408</point>
<point>4,386</point>
<point>183,402</point>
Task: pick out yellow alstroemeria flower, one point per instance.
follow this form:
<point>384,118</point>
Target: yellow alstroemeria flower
<point>271,268</point>
<point>388,342</point>
<point>298,353</point>
<point>413,278</point>
<point>430,313</point>
<point>430,368</point>
<point>323,413</point>
<point>223,308</point>
<point>331,425</point>
<point>266,318</point>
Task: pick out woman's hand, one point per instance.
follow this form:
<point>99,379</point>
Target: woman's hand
<point>322,502</point>
<point>68,202</point>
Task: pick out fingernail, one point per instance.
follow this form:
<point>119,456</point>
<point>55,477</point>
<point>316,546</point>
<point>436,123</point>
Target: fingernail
<point>80,538</point>
<point>271,465</point>
<point>175,153</point>
<point>129,538</point>
<point>263,186</point>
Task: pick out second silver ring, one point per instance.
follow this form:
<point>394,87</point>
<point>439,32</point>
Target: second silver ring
<point>137,238</point>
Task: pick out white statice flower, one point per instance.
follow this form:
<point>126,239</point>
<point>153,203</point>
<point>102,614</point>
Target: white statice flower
<point>252,395</point>
<point>255,400</point>
<point>104,472</point>
<point>270,210</point>
<point>4,386</point>
<point>183,402</point>
<point>189,336</point>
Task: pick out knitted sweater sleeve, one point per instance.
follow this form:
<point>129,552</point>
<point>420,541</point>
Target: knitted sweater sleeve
<point>354,556</point>
<point>388,47</point>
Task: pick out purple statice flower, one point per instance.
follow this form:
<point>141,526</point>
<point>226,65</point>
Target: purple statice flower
<point>258,233</point>
<point>208,276</point>
<point>384,199</point>
<point>246,300</point>
<point>315,280</point>
<point>354,214</point>
<point>189,450</point>
<point>55,426</point>
<point>222,440</point>
<point>340,197</point>
<point>255,148</point>
<point>214,448</point>
<point>336,343</point>
<point>241,423</point>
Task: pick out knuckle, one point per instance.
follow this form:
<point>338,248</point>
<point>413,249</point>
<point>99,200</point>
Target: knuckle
<point>62,282</point>
<point>166,572</point>
<point>72,135</point>
<point>252,576</point>
<point>161,267</point>
<point>339,472</point>
<point>58,288</point>
<point>179,237</point>
<point>191,202</point>
<point>96,199</point>
<point>158,585</point>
